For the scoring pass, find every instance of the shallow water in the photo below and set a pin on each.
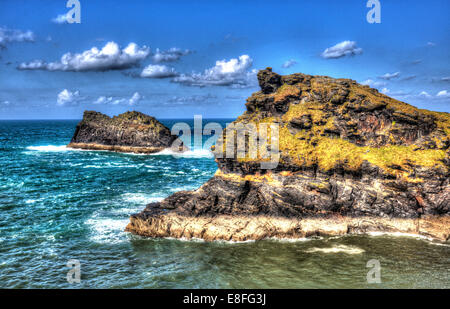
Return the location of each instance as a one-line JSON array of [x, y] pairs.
[[58, 204]]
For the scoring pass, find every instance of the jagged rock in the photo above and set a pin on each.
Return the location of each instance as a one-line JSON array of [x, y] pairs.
[[128, 132], [350, 160], [268, 80]]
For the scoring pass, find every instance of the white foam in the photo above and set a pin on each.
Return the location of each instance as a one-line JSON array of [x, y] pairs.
[[48, 148], [293, 240], [196, 153], [140, 198], [106, 230], [337, 249]]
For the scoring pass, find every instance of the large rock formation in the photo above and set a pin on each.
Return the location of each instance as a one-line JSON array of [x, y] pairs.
[[128, 132], [351, 160]]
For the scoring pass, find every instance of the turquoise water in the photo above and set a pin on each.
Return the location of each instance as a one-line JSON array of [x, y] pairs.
[[58, 204]]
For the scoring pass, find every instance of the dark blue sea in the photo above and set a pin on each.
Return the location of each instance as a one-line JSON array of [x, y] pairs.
[[58, 204]]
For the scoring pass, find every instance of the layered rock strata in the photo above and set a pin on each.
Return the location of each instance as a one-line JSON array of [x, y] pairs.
[[350, 160]]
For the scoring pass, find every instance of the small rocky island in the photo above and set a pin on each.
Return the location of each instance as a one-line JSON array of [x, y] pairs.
[[352, 160], [132, 132]]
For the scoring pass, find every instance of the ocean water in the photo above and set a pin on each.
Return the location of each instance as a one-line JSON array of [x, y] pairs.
[[58, 204]]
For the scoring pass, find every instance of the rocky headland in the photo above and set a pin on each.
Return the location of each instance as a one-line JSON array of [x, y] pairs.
[[351, 160], [132, 132]]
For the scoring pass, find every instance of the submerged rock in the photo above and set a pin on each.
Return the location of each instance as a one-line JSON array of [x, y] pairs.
[[350, 160], [127, 132]]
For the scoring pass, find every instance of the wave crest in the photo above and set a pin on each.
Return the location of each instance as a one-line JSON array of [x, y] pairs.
[[48, 148], [196, 153]]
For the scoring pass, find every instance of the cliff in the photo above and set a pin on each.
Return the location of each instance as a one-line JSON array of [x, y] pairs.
[[127, 132], [349, 160]]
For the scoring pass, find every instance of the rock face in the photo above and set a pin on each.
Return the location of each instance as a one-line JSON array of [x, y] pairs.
[[351, 160], [128, 132]]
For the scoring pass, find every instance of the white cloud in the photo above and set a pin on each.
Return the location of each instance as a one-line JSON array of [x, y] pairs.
[[192, 99], [289, 63], [110, 57], [158, 71], [373, 84], [170, 55], [389, 76], [399, 94], [431, 44], [15, 35], [234, 73], [60, 19], [67, 97], [424, 94], [443, 94], [103, 100], [6, 103], [345, 48], [133, 100]]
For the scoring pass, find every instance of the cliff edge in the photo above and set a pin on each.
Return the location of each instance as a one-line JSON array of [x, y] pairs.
[[128, 132], [349, 160]]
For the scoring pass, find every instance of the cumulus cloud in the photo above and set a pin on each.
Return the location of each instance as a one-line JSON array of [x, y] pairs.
[[67, 97], [136, 97], [443, 94], [133, 100], [345, 48], [103, 100], [14, 35], [389, 76], [158, 71], [373, 84], [235, 73], [431, 44], [110, 57], [170, 55], [60, 19], [289, 63], [440, 95]]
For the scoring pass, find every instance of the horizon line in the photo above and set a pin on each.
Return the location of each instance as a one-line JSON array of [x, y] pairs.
[[25, 119]]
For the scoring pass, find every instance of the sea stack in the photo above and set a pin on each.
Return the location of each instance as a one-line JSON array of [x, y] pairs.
[[351, 160], [132, 132]]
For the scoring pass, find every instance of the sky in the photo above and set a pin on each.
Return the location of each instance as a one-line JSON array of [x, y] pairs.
[[177, 59]]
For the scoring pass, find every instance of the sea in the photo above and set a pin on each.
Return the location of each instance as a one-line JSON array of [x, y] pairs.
[[59, 205]]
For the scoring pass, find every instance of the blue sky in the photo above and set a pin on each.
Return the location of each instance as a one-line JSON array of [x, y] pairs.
[[175, 59]]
